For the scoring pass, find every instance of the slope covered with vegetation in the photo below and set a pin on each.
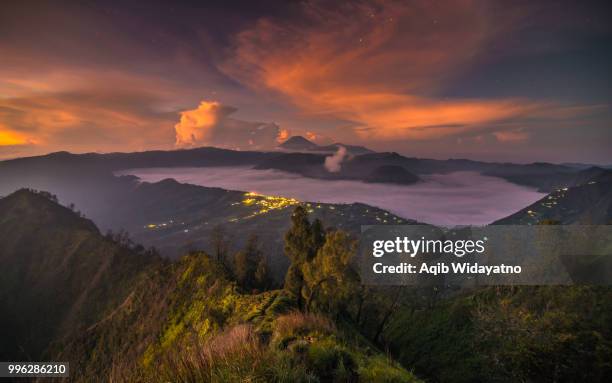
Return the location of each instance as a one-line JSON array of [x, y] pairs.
[[58, 273], [119, 313], [509, 334]]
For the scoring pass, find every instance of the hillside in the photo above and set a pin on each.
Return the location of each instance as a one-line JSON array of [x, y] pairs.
[[508, 334], [114, 314], [176, 217], [119, 313], [59, 273], [589, 203], [189, 322]]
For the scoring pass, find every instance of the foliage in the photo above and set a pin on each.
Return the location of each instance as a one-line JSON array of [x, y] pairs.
[[559, 333], [251, 268], [329, 281]]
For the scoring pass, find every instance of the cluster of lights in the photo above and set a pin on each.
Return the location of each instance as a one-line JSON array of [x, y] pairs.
[[554, 197], [161, 225], [266, 203], [549, 202]]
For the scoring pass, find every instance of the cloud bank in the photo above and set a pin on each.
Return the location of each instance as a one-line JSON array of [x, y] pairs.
[[454, 199]]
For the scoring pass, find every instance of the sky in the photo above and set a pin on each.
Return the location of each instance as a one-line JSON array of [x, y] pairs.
[[518, 81]]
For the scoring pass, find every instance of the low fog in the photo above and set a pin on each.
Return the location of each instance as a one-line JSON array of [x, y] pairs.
[[452, 199]]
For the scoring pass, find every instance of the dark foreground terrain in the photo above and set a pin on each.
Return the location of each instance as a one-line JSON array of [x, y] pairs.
[[119, 312]]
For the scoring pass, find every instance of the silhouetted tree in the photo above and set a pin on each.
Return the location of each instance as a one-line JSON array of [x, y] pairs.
[[298, 248], [262, 274], [246, 264], [219, 243]]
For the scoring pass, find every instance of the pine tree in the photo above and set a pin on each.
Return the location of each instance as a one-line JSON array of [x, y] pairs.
[[298, 239], [246, 263], [219, 243], [299, 249], [262, 275], [317, 238]]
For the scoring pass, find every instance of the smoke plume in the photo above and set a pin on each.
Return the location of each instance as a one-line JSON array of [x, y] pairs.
[[333, 163]]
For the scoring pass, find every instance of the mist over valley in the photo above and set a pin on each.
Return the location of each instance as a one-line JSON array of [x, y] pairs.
[[458, 198]]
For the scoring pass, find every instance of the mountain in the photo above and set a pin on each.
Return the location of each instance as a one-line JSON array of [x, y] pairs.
[[350, 149], [116, 313], [367, 168], [588, 202], [43, 172], [298, 143], [542, 176], [175, 217], [301, 144], [392, 174], [59, 274]]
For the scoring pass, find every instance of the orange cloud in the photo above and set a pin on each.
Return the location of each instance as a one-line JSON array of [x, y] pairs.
[[83, 111], [9, 138], [197, 125], [376, 65], [209, 124], [283, 135]]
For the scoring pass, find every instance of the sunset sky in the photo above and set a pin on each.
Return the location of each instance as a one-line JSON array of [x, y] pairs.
[[516, 81]]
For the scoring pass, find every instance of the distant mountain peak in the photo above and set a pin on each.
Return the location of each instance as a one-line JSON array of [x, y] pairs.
[[298, 143]]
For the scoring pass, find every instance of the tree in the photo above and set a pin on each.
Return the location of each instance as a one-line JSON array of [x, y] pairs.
[[298, 240], [302, 242], [219, 243], [262, 274], [329, 280], [294, 281], [248, 267], [317, 238]]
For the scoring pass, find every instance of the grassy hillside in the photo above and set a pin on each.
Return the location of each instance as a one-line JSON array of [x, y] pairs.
[[119, 313], [589, 202], [509, 334], [189, 322], [58, 273], [114, 314]]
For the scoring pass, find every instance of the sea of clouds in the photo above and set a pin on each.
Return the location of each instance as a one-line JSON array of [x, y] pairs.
[[459, 198]]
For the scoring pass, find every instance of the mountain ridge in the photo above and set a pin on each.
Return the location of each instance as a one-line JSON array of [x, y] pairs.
[[301, 144], [115, 314]]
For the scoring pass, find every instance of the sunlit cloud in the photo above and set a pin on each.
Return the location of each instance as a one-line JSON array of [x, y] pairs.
[[210, 124], [283, 135], [85, 111], [378, 65], [10, 138]]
